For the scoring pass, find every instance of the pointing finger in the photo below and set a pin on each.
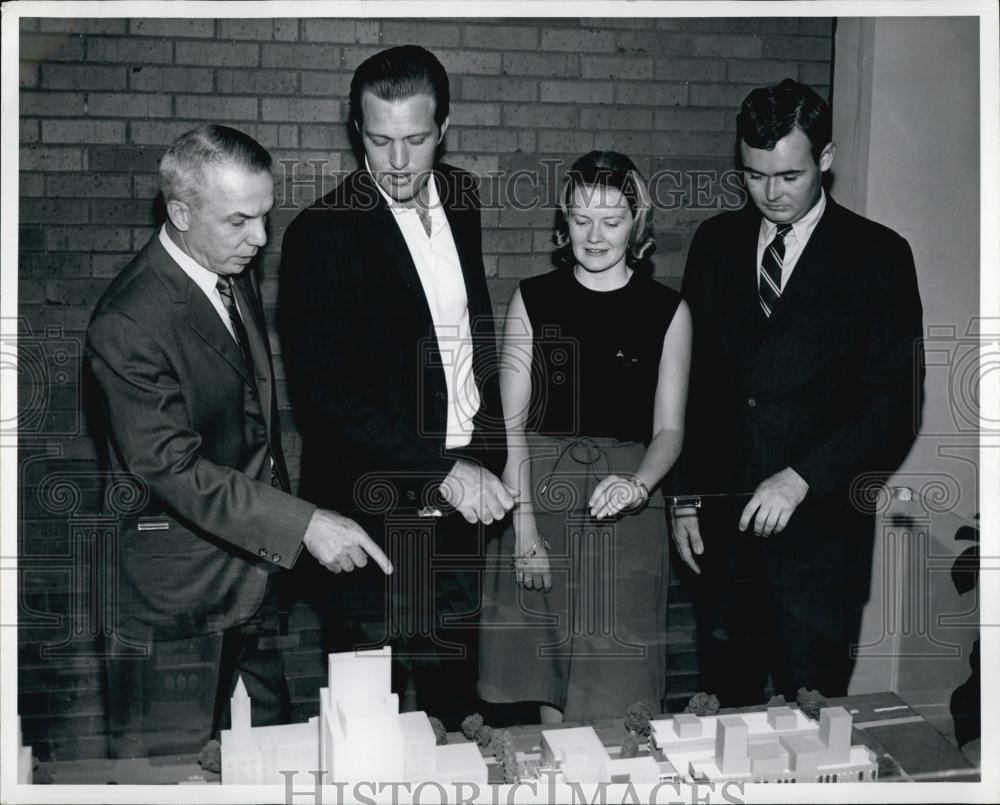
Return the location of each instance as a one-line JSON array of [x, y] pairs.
[[376, 553]]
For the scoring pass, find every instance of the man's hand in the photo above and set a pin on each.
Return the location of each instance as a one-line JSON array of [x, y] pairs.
[[774, 502], [477, 494], [338, 543], [687, 536]]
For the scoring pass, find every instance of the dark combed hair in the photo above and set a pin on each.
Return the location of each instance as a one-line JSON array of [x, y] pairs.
[[608, 169], [770, 113], [182, 168], [400, 73]]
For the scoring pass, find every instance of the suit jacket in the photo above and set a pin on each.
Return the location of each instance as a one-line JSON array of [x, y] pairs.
[[364, 366], [186, 417], [830, 384]]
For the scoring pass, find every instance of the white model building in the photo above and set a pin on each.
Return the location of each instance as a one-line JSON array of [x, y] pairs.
[[582, 758], [779, 746], [25, 759], [359, 735]]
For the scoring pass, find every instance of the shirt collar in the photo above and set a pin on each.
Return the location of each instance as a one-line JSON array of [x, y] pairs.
[[398, 208], [205, 279], [805, 225]]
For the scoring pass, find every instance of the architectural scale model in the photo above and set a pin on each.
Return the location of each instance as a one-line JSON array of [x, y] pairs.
[[359, 735], [580, 757], [779, 746]]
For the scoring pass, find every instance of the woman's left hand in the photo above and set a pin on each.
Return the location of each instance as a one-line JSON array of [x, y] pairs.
[[617, 493]]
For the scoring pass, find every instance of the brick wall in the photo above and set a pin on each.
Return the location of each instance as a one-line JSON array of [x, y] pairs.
[[101, 98]]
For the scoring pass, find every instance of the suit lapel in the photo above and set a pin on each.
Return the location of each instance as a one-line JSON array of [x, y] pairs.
[[382, 233], [195, 309], [249, 302]]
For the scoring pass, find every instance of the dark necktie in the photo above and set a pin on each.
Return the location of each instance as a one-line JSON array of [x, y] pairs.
[[225, 288], [769, 287]]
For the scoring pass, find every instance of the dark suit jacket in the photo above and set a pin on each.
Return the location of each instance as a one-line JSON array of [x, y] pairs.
[[185, 416], [364, 367], [830, 384]]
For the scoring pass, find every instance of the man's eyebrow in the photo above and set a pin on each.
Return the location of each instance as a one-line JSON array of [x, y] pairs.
[[793, 172]]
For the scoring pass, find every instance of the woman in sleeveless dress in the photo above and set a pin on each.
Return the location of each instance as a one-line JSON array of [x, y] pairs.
[[594, 371]]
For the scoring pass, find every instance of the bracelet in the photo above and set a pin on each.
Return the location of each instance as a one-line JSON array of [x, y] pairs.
[[521, 559], [639, 484]]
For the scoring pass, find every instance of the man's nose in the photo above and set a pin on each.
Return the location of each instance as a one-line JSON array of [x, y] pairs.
[[399, 156], [258, 233], [771, 189]]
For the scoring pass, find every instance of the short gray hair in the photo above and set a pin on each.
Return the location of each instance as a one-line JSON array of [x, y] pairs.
[[182, 168]]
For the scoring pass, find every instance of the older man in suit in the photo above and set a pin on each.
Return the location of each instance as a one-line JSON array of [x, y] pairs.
[[179, 349], [806, 378], [388, 338]]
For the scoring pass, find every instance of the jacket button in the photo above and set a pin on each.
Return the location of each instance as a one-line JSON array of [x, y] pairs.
[[411, 495], [440, 396], [751, 402], [276, 558], [262, 553]]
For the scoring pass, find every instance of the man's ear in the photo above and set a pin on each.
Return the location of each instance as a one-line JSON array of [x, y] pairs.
[[443, 129], [826, 156], [179, 213]]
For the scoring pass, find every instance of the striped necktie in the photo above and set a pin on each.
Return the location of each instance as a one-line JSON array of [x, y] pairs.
[[769, 287], [224, 286]]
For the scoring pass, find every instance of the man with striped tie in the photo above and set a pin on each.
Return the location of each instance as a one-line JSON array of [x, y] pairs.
[[806, 384]]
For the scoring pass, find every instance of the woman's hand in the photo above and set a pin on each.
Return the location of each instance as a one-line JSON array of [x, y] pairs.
[[617, 493], [531, 561]]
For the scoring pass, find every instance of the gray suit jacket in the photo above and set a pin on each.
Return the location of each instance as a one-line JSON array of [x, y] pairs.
[[185, 415]]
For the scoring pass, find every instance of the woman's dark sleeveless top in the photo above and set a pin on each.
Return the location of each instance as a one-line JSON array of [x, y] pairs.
[[595, 355]]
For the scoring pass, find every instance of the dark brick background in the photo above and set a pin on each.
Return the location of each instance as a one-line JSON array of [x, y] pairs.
[[101, 98]]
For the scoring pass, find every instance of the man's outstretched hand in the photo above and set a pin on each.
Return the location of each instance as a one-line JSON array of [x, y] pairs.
[[477, 494], [339, 543]]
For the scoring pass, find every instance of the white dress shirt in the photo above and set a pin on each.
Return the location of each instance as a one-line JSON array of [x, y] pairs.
[[206, 280], [440, 270], [795, 240]]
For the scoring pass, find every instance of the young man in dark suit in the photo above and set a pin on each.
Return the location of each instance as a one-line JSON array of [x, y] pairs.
[[387, 335], [805, 390], [179, 350]]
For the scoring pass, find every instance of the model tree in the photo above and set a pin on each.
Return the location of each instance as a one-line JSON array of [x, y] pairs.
[[630, 746], [470, 725], [777, 701], [637, 718], [440, 733], [810, 702], [703, 704], [483, 736], [888, 767], [506, 757]]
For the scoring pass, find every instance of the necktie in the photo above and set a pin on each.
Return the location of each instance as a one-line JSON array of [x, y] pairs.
[[769, 288], [225, 289]]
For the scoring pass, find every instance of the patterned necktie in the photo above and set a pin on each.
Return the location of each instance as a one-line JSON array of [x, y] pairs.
[[225, 289], [769, 288]]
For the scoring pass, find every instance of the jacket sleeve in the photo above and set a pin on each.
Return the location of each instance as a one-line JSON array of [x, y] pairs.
[[890, 372], [151, 434]]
